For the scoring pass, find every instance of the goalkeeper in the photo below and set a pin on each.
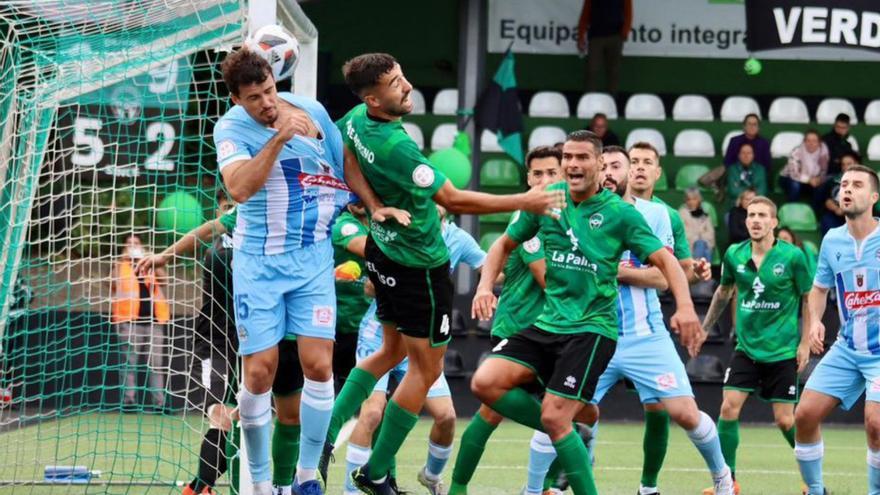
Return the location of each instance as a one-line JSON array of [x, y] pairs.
[[215, 367]]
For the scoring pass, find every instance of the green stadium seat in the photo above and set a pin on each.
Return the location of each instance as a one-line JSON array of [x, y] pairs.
[[487, 239], [797, 216], [662, 183], [709, 208], [499, 172], [689, 174], [811, 248]]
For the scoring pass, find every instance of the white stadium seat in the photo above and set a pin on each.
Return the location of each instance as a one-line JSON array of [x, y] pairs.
[[853, 143], [785, 141], [415, 132], [546, 135], [592, 103], [872, 113], [830, 107], [874, 148], [727, 137], [444, 136], [418, 101], [489, 142], [692, 108], [446, 102], [735, 108], [788, 110], [645, 106], [652, 136], [693, 142], [549, 104]]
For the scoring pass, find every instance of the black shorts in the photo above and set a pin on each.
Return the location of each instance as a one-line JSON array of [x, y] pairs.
[[417, 300], [344, 355], [289, 376], [778, 380], [567, 365], [214, 374]]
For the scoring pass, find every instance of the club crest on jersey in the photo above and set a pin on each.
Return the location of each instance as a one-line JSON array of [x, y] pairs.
[[596, 220], [860, 280], [666, 381], [322, 316], [423, 175], [532, 245], [778, 269], [242, 333], [348, 229]]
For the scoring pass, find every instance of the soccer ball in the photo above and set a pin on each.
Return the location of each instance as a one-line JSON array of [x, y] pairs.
[[278, 47]]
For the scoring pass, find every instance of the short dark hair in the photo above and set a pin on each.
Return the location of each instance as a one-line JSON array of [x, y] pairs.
[[875, 182], [750, 145], [583, 136], [616, 149], [852, 154], [543, 152], [842, 117], [599, 115], [243, 67], [364, 71], [812, 131], [749, 115], [644, 145]]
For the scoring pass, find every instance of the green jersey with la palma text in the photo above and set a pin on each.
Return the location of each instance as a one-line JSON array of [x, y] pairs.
[[768, 298], [522, 298], [583, 249], [403, 178]]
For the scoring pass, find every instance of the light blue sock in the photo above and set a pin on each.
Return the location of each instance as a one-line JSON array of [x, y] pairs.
[[316, 407], [438, 456], [541, 455], [705, 439], [255, 411], [355, 457], [873, 472], [809, 459]]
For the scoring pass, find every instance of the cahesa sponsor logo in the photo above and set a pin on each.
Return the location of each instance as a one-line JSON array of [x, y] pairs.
[[309, 180], [861, 299]]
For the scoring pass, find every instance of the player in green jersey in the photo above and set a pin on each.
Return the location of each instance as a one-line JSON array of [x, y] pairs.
[[522, 300], [770, 277], [582, 249], [409, 265]]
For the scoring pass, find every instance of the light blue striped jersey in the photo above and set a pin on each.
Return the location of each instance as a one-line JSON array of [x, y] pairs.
[[305, 190], [853, 270], [638, 308]]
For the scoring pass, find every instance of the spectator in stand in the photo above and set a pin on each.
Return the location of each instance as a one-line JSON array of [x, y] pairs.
[[750, 135], [830, 213], [806, 170], [603, 27], [788, 235], [736, 218], [140, 312], [697, 225], [599, 127], [746, 173], [837, 141]]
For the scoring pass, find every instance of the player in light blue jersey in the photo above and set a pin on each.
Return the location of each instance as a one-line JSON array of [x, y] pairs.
[[462, 249], [849, 264], [280, 156]]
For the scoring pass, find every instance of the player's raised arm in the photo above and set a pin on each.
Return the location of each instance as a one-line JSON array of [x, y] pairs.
[[649, 277], [815, 329], [536, 200], [684, 321], [720, 301], [355, 179], [187, 244], [484, 299]]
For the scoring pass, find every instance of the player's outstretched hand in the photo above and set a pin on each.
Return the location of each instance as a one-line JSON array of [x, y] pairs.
[[289, 125], [542, 202], [703, 269], [402, 217], [484, 304], [803, 356], [150, 263], [687, 325], [817, 337]]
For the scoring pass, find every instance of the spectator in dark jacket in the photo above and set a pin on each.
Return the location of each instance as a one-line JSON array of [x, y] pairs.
[[745, 174], [599, 127], [837, 141], [736, 218], [751, 128]]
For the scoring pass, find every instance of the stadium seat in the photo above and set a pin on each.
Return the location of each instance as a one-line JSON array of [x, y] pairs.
[[705, 368], [652, 136], [693, 142], [710, 210], [418, 101], [788, 110], [727, 137], [853, 142], [688, 175], [489, 142], [549, 104], [797, 216], [458, 324], [811, 248], [692, 108], [443, 136], [783, 142], [487, 239], [872, 113], [735, 108], [874, 148], [546, 135], [415, 132], [453, 364], [830, 107], [500, 172], [446, 102], [645, 106], [592, 103]]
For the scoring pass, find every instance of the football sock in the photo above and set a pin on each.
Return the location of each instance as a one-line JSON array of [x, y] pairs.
[[438, 456], [470, 450], [574, 458], [873, 472], [654, 445], [396, 425], [256, 416], [520, 406], [541, 455], [316, 407], [212, 460], [355, 457], [705, 439], [357, 388], [789, 436], [728, 433], [809, 459], [285, 452]]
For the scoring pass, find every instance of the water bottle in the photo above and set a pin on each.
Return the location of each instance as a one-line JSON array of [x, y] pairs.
[[69, 474]]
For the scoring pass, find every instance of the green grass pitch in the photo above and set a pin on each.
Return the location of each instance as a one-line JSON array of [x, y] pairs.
[[155, 451]]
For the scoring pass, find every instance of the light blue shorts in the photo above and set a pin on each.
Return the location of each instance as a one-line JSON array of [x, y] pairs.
[[284, 294], [844, 374], [652, 364]]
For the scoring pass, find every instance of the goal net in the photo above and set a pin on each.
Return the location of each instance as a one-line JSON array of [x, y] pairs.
[[106, 113]]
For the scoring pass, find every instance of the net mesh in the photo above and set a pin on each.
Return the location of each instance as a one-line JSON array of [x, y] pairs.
[[106, 108]]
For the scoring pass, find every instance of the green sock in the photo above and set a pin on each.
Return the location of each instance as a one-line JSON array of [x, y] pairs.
[[552, 474], [285, 452], [232, 442], [654, 445], [392, 470], [396, 425], [728, 433], [575, 460], [789, 436], [357, 388], [471, 447], [520, 406]]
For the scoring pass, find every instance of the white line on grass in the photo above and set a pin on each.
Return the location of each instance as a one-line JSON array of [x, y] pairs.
[[773, 472]]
